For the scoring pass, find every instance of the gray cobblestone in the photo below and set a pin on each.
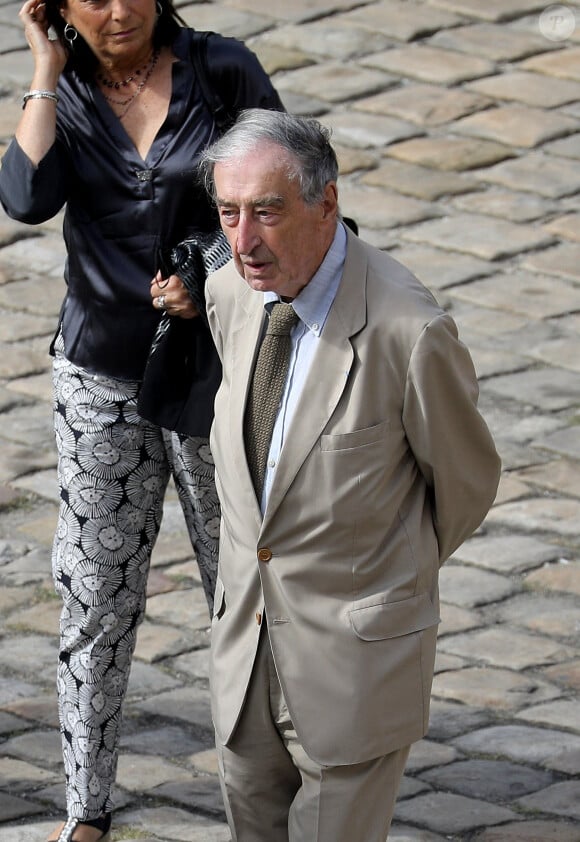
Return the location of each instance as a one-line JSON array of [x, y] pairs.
[[417, 181], [430, 64], [490, 780], [426, 105], [495, 689], [450, 153], [532, 831], [369, 130], [562, 260], [532, 296], [528, 88], [493, 10], [516, 125], [567, 226], [497, 43], [562, 799], [451, 814], [403, 21], [482, 236], [559, 476], [502, 646], [537, 173], [563, 64], [334, 81], [469, 587]]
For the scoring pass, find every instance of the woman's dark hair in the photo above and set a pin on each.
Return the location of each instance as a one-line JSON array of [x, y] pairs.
[[82, 58]]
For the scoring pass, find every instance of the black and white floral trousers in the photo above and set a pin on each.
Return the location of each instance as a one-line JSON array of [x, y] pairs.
[[113, 471]]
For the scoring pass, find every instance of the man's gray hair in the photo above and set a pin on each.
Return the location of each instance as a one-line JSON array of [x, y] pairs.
[[306, 140]]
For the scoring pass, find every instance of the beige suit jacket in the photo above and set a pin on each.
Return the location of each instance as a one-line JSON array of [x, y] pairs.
[[386, 468]]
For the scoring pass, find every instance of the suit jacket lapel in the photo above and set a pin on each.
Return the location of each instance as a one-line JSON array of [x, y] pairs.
[[244, 340]]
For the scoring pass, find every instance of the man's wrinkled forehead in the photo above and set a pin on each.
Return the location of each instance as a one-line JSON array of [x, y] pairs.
[[255, 180], [265, 159]]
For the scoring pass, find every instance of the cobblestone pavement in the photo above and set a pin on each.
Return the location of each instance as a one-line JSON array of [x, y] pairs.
[[457, 123]]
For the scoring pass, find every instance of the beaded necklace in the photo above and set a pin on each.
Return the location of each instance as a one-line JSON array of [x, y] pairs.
[[111, 83], [125, 104]]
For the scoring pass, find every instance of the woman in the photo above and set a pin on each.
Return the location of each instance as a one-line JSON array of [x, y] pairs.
[[111, 126]]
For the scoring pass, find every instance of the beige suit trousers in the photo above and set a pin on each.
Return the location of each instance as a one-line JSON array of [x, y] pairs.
[[273, 792]]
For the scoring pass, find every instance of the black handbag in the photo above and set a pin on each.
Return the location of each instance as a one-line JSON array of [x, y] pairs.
[[183, 370]]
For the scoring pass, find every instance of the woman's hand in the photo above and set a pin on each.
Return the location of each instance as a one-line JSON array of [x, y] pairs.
[[170, 294], [49, 54]]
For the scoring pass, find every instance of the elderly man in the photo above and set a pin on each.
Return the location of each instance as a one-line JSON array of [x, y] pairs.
[[338, 511]]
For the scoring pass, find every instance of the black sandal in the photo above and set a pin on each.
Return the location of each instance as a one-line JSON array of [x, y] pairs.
[[103, 823]]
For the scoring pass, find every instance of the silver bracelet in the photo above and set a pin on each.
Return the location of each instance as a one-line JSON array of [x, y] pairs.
[[39, 95]]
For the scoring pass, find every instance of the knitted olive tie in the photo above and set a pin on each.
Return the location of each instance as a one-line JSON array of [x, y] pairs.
[[266, 390]]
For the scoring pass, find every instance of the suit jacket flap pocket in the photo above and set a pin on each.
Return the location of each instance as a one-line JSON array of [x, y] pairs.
[[383, 620]]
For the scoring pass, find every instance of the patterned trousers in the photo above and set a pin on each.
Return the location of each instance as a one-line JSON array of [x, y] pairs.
[[113, 471]]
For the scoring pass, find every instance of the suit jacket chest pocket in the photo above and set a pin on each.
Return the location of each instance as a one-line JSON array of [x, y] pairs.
[[357, 467], [355, 439]]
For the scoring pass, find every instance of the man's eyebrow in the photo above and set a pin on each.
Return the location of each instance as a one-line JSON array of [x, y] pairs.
[[259, 202], [269, 201]]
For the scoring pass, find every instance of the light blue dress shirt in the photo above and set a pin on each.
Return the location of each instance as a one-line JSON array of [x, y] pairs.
[[312, 306]]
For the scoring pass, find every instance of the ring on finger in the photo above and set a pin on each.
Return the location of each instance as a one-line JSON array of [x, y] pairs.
[[161, 302]]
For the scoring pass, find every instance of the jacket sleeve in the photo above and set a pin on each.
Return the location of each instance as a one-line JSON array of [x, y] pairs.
[[212, 317], [447, 434], [32, 194], [238, 75]]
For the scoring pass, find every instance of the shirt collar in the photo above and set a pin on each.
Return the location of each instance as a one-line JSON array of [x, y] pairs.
[[314, 301]]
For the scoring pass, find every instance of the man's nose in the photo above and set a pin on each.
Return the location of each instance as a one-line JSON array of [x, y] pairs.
[[247, 237]]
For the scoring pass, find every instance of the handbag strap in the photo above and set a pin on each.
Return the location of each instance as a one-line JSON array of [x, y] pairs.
[[222, 117]]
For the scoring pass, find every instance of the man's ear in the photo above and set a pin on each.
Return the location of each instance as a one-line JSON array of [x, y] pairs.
[[330, 201]]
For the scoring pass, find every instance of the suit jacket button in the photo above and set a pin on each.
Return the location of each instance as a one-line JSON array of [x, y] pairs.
[[258, 618], [264, 554]]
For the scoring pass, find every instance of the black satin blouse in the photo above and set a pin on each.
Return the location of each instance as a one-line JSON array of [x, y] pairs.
[[120, 209]]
